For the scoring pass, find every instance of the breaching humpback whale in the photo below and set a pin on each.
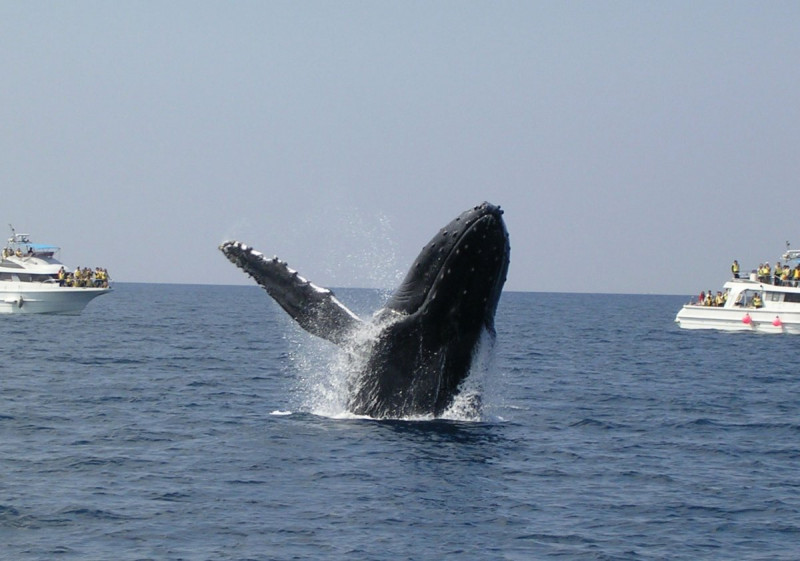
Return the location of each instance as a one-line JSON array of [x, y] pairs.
[[426, 336]]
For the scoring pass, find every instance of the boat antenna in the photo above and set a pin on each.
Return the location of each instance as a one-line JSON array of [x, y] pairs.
[[788, 245]]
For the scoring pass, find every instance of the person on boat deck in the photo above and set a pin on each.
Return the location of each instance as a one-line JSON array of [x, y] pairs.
[[796, 276], [709, 299], [101, 278], [702, 298], [757, 301], [62, 276], [735, 269], [764, 273], [776, 274], [719, 301]]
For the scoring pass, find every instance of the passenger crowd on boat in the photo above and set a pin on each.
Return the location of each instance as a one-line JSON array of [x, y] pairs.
[[8, 252], [710, 299], [780, 275], [86, 277]]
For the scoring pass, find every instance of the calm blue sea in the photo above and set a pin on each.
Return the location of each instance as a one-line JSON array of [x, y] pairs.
[[197, 422]]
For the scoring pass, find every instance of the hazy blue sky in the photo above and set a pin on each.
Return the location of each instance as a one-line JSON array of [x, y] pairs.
[[636, 146]]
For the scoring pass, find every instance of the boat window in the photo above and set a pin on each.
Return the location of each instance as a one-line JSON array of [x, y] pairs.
[[746, 298], [791, 297], [775, 296]]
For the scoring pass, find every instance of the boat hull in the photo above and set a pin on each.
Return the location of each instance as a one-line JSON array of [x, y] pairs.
[[751, 320], [21, 298]]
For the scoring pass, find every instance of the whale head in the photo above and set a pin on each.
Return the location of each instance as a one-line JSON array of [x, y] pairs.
[[446, 302], [459, 275]]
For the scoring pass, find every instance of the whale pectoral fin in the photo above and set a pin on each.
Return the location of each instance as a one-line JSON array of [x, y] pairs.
[[316, 309]]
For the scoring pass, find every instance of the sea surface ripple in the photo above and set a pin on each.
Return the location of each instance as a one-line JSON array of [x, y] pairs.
[[184, 422]]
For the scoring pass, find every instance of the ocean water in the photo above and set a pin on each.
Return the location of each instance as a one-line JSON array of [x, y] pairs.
[[197, 422]]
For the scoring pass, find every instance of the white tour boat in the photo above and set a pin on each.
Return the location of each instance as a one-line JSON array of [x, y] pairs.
[[33, 281], [750, 304]]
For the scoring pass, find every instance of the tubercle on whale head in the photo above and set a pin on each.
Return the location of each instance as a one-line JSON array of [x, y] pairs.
[[467, 260]]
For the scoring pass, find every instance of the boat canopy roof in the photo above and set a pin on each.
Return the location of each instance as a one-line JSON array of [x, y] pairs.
[[43, 247], [17, 240], [791, 255]]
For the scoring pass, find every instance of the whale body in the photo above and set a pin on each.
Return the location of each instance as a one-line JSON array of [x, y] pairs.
[[423, 342]]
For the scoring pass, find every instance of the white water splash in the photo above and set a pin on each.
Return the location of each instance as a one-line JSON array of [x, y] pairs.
[[327, 378], [318, 386], [469, 404], [337, 380], [363, 252]]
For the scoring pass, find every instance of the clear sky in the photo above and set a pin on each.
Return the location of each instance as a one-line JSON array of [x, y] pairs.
[[635, 146]]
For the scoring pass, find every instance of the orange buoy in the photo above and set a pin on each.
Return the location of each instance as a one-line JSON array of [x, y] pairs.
[[777, 322], [747, 319]]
